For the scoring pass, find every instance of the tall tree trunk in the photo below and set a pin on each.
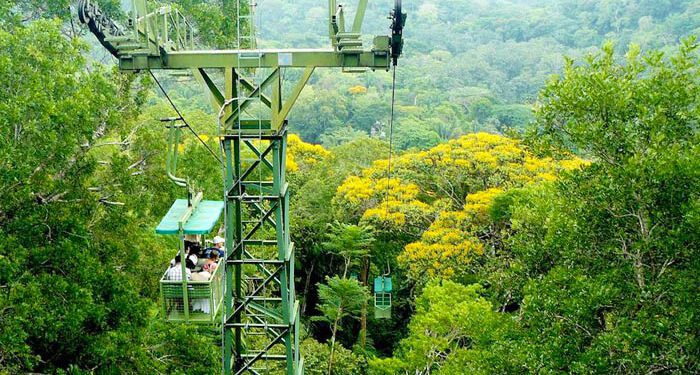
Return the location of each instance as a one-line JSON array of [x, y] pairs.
[[364, 275], [335, 330], [347, 265], [363, 326], [307, 284]]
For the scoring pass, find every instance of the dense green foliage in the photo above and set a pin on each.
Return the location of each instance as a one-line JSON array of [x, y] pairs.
[[83, 186], [469, 65], [600, 267], [507, 255]]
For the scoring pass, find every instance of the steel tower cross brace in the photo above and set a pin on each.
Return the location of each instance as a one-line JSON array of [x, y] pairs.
[[260, 325], [261, 320]]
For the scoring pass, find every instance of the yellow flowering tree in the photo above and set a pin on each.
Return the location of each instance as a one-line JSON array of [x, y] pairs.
[[446, 173], [476, 162], [357, 90], [386, 203], [301, 155], [442, 196]]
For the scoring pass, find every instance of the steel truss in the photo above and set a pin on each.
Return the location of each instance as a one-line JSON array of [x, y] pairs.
[[261, 320]]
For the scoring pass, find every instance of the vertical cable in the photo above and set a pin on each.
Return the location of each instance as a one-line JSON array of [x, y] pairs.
[[391, 139]]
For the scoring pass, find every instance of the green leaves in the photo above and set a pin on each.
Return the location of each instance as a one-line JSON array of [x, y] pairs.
[[453, 330], [595, 268], [352, 242], [340, 299], [76, 285], [618, 112], [316, 356]]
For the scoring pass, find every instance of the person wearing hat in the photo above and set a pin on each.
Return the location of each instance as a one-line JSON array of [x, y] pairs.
[[218, 245]]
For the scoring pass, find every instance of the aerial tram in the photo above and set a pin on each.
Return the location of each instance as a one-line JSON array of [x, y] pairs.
[[189, 300], [383, 287], [258, 313]]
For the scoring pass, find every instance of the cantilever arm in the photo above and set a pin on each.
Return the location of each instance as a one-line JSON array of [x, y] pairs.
[[293, 96], [359, 16]]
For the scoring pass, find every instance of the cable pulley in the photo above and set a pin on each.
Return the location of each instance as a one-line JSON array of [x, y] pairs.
[[398, 21]]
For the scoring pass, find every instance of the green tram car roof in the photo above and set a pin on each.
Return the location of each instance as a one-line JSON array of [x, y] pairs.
[[383, 284], [201, 221]]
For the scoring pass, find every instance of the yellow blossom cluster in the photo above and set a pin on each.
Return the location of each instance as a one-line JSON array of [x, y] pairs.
[[300, 153], [358, 189], [444, 259], [475, 149], [478, 204], [480, 161], [396, 213], [381, 201], [359, 89], [448, 246]]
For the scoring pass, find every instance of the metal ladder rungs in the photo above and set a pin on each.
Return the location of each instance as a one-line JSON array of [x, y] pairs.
[[256, 334], [129, 46], [120, 39], [265, 356]]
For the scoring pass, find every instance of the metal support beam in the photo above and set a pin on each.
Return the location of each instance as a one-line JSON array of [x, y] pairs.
[[217, 99], [359, 16], [284, 111], [376, 59]]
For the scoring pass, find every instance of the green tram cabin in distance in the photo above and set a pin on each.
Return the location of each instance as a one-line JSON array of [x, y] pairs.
[[186, 300]]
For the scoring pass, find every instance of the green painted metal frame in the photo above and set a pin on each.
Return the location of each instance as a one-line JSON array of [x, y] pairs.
[[249, 309], [291, 58], [163, 39], [209, 289], [194, 202]]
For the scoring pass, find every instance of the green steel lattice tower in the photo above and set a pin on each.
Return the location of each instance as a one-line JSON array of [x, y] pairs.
[[260, 323]]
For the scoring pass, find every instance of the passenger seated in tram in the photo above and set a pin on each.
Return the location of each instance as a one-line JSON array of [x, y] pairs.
[[175, 270], [218, 245], [201, 276], [211, 263], [208, 268], [193, 245], [190, 261]]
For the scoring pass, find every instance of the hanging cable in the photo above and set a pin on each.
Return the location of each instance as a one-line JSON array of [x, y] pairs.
[[183, 119], [391, 138]]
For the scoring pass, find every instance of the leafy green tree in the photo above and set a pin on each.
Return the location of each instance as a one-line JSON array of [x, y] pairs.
[[454, 330], [79, 262], [618, 249], [317, 112], [62, 249], [311, 209], [215, 21], [316, 356], [340, 299], [341, 136], [411, 133], [351, 242]]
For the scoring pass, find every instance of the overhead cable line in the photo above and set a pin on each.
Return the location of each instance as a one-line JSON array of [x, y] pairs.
[[179, 114], [391, 138]]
